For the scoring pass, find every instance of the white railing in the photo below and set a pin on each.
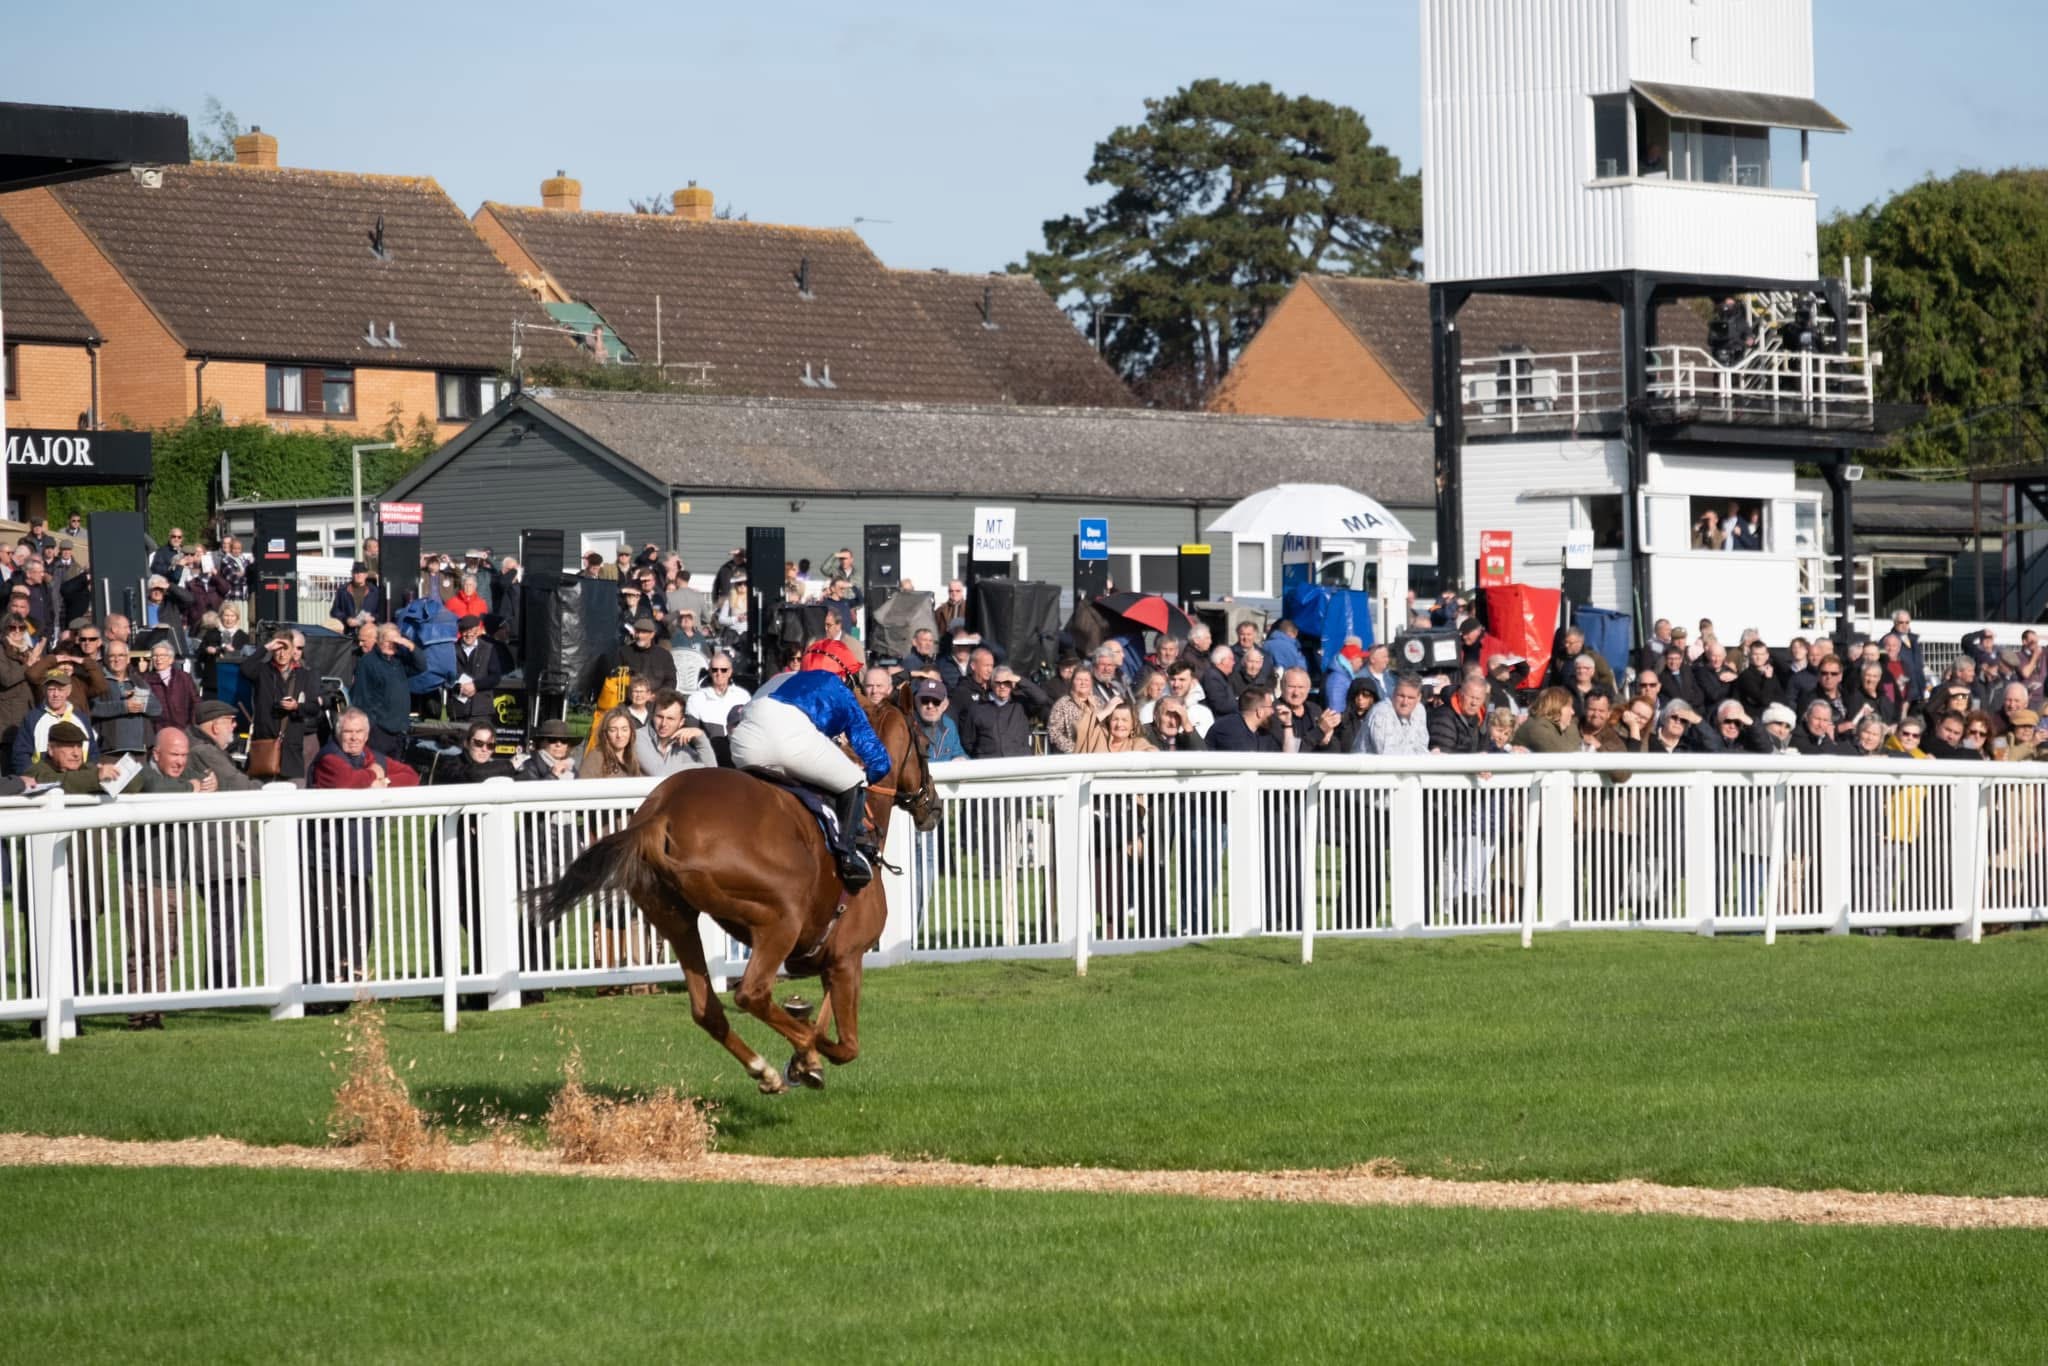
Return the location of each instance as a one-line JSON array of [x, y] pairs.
[[1804, 387], [1544, 392], [286, 898]]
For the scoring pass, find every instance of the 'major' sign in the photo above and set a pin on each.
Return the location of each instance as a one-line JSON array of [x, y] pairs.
[[73, 457]]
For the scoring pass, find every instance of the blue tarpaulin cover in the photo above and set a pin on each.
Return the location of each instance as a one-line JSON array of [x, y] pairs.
[[1607, 635], [1330, 614]]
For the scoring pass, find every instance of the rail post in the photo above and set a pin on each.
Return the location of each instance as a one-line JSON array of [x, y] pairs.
[[1405, 841], [1966, 866], [448, 920], [1837, 852], [1311, 841], [1556, 833], [1247, 855], [281, 911], [497, 850], [1774, 875], [49, 858], [1074, 878], [1702, 897], [899, 924]]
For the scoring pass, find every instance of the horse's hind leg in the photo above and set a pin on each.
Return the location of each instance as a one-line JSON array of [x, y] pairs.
[[705, 1008]]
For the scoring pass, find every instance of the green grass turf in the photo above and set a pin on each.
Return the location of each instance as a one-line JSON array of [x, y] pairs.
[[214, 1266], [1894, 1063]]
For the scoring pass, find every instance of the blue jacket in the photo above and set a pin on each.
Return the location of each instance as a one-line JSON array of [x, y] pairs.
[[945, 738], [1285, 652], [381, 689], [831, 706]]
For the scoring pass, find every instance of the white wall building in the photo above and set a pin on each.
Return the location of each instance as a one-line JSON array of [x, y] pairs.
[[1655, 154]]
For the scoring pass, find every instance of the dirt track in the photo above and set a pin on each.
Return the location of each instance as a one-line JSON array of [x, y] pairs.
[[1373, 1184]]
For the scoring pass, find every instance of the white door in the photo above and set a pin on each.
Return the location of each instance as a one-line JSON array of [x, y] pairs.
[[605, 543], [923, 559]]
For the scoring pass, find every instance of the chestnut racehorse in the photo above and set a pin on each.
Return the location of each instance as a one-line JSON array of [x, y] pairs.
[[747, 854]]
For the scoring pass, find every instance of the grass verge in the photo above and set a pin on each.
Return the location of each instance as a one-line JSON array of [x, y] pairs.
[[1874, 1064], [285, 1266]]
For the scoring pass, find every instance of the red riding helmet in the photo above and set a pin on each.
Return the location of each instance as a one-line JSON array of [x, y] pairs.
[[835, 656]]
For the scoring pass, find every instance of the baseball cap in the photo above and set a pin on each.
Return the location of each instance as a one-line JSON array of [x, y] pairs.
[[966, 640], [928, 690]]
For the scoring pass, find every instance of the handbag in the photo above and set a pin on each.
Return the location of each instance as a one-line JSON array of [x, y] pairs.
[[266, 758]]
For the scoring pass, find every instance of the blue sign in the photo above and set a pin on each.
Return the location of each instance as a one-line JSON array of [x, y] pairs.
[[1094, 538]]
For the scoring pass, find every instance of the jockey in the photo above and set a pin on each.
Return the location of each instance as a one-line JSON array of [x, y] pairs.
[[789, 729]]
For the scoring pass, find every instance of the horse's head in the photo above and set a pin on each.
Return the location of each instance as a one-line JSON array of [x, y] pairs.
[[909, 758]]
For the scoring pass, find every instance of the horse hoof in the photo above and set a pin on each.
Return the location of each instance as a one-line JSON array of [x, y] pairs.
[[772, 1083], [799, 1075]]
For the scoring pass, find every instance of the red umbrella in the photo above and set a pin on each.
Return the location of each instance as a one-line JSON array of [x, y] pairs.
[[1147, 610]]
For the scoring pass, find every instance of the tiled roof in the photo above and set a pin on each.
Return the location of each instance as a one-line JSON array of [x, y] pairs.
[[1124, 454], [38, 309], [277, 264], [730, 299], [1025, 344], [1391, 317]]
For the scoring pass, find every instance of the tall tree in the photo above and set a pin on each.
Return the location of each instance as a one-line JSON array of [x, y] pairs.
[[1218, 201], [211, 136], [1960, 307]]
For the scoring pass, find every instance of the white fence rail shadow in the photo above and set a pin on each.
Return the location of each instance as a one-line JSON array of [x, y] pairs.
[[284, 898]]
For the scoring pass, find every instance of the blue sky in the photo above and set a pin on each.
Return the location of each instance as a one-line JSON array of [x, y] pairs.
[[963, 125]]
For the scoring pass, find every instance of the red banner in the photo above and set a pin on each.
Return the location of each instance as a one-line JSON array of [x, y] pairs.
[[1496, 558]]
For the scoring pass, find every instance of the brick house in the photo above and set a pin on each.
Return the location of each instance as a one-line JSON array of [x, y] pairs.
[[313, 298], [1357, 350], [769, 311], [49, 354]]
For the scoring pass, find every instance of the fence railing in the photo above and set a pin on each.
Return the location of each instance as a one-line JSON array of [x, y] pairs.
[[285, 898]]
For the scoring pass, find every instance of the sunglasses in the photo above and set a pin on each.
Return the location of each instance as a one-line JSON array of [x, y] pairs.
[[720, 673], [1005, 683], [931, 701], [480, 744], [1976, 730]]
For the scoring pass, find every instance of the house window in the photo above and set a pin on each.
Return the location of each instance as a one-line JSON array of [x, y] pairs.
[[306, 390], [1251, 565], [8, 376], [468, 396], [1610, 137]]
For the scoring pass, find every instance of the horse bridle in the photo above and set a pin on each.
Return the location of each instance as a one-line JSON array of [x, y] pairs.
[[918, 801]]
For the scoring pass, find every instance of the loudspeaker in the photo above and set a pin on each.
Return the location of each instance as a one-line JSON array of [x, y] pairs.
[[1091, 577], [120, 564], [541, 552], [571, 628], [1194, 577], [881, 557], [1023, 618], [1577, 585], [764, 596], [276, 570]]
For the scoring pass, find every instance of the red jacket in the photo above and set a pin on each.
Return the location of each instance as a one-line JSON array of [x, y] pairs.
[[335, 769], [466, 605]]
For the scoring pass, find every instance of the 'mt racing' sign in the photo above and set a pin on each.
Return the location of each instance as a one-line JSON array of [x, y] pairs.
[[72, 457]]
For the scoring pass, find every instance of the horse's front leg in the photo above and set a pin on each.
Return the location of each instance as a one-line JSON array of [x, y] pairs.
[[705, 1008], [756, 995], [841, 979]]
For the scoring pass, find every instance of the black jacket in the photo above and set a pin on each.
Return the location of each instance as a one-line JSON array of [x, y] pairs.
[[654, 663], [992, 731], [1453, 732], [1231, 735], [1756, 691]]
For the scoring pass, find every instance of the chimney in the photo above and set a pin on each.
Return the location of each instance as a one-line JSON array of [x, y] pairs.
[[560, 192], [693, 204], [256, 148]]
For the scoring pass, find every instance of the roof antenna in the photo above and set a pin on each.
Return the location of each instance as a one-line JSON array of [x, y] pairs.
[[803, 277], [377, 248]]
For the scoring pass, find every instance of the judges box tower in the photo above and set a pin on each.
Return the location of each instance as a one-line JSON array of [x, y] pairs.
[[1647, 157]]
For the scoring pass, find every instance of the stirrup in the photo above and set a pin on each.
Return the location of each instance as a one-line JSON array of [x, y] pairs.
[[854, 870]]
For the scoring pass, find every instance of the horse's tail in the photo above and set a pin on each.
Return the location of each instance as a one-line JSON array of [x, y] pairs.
[[628, 861]]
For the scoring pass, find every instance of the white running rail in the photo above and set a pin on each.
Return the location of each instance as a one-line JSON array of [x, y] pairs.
[[284, 898]]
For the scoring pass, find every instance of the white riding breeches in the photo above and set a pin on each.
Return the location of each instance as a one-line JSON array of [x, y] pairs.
[[774, 737]]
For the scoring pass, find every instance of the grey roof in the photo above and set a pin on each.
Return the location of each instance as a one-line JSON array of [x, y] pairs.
[[1127, 454], [1741, 106]]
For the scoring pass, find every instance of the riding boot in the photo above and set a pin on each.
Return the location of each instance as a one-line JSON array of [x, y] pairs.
[[850, 808]]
